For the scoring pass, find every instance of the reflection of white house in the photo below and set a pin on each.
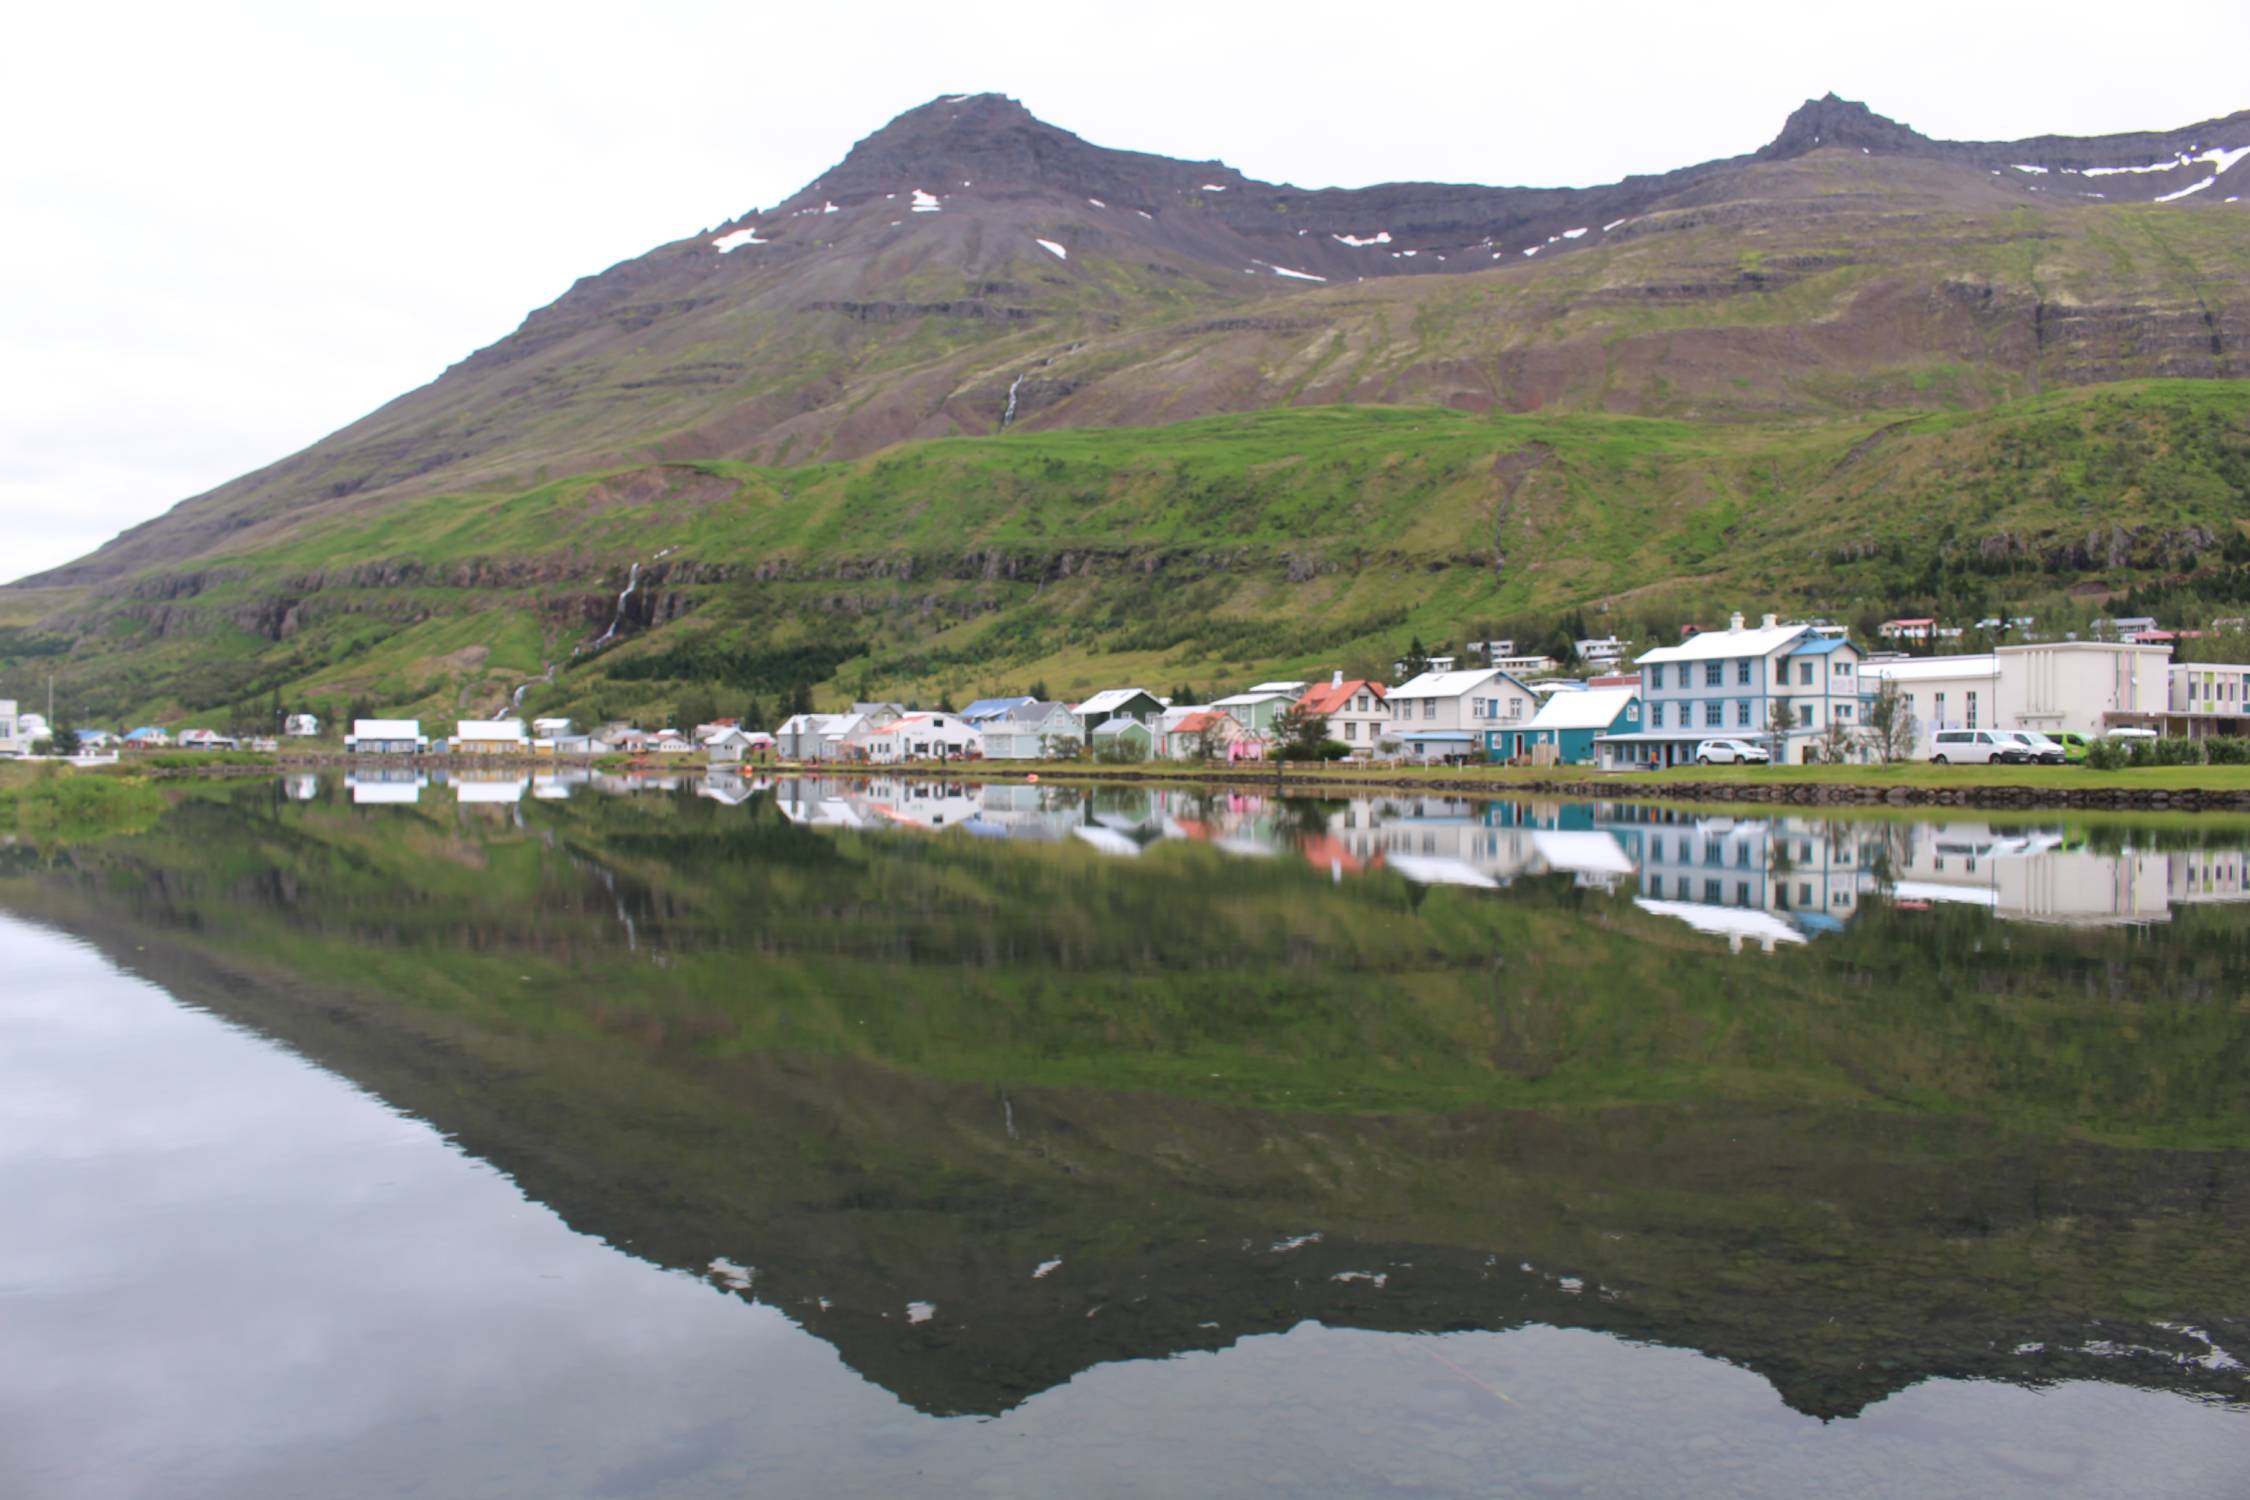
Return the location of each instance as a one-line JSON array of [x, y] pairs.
[[473, 786], [378, 786], [1738, 925], [303, 787]]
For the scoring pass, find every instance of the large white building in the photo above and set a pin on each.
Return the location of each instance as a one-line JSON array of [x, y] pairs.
[[11, 732], [2088, 687]]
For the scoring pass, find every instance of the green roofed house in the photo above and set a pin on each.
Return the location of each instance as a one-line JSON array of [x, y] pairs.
[[1125, 739]]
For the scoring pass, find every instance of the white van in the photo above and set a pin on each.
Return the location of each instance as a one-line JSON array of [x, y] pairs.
[[1974, 747]]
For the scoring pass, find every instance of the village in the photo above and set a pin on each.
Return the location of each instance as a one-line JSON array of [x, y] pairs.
[[1764, 692]]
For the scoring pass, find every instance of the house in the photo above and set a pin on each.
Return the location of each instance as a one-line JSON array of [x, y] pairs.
[[671, 742], [1033, 731], [93, 739], [808, 737], [1564, 730], [625, 741], [205, 739], [1209, 729], [1529, 665], [1740, 683], [1118, 703], [1919, 628], [1941, 692], [1124, 739], [301, 726], [490, 737], [1600, 651], [147, 737], [13, 740], [550, 729], [737, 744], [386, 737], [1357, 711], [1256, 710], [919, 736], [1402, 666], [986, 711], [1457, 715]]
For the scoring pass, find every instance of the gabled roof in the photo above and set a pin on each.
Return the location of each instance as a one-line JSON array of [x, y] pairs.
[[993, 708], [1714, 645], [1109, 700], [1252, 698], [383, 729], [1817, 644], [1200, 720], [1121, 726], [1031, 712], [1331, 697], [1450, 684], [1593, 708]]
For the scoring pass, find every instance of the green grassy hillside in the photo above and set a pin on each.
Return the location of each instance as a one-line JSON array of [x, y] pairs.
[[1211, 551]]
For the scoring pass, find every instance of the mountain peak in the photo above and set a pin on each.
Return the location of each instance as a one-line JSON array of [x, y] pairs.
[[1833, 121], [956, 139]]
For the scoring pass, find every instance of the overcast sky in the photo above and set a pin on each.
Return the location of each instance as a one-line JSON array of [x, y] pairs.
[[230, 229]]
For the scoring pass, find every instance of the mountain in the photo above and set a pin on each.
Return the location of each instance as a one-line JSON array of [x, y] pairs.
[[969, 270]]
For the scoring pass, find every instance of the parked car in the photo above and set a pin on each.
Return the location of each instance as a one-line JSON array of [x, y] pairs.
[[1731, 753], [2038, 749], [2074, 744], [1976, 747]]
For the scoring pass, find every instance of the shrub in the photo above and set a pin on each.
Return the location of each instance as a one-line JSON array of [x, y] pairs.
[[2174, 750], [2107, 755], [2227, 750]]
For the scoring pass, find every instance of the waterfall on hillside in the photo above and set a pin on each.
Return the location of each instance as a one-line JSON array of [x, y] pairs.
[[1009, 415]]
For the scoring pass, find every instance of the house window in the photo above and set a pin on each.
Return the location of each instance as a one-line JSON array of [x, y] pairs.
[[1843, 710], [1804, 893], [1972, 723], [1714, 673], [1429, 708], [1843, 668], [1742, 671], [1804, 674], [1351, 729], [1714, 852], [1656, 716], [1711, 892], [1938, 718], [1804, 715], [1656, 675], [1742, 713], [1715, 715]]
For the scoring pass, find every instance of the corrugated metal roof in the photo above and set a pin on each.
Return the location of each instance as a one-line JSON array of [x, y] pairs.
[[1595, 708], [1449, 684], [1714, 645], [386, 729]]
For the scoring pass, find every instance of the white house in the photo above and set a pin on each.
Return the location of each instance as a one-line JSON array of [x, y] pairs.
[[1032, 731], [1358, 711], [491, 737], [1454, 715], [2207, 697], [205, 739], [1942, 692], [13, 741], [386, 737], [920, 736], [804, 737], [1600, 650], [734, 744], [301, 726], [1726, 684], [550, 729]]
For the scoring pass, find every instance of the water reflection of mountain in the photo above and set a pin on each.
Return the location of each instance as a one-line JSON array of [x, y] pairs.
[[846, 1071]]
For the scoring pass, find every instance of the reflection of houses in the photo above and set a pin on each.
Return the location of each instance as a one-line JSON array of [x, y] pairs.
[[373, 785], [2029, 876], [489, 786]]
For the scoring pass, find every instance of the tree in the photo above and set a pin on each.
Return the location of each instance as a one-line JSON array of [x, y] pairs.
[[1417, 660], [753, 714], [1781, 722], [945, 704], [1836, 745], [694, 706], [1298, 733], [800, 698], [1038, 690], [62, 738], [1182, 693], [1891, 730]]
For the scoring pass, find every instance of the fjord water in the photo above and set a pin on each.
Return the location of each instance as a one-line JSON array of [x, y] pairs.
[[678, 1138]]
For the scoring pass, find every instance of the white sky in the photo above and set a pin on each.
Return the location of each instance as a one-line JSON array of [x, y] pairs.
[[230, 228]]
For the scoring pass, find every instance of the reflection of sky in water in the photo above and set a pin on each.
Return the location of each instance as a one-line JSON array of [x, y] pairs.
[[224, 1272]]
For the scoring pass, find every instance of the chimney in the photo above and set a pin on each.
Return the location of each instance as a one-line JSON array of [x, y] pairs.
[[1772, 621], [1338, 679], [1734, 621]]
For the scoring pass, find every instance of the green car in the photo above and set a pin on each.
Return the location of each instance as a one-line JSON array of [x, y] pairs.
[[2074, 745]]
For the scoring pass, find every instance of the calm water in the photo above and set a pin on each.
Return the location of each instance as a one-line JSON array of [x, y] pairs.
[[541, 1138]]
